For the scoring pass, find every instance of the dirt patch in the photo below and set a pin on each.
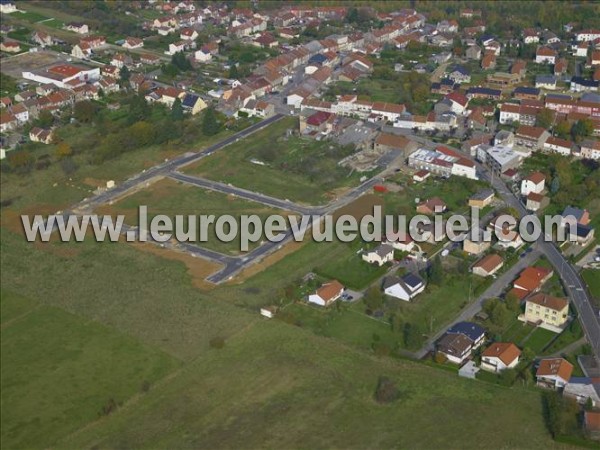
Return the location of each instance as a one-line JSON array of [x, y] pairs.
[[94, 182], [360, 207], [197, 268], [56, 248], [267, 262], [11, 219]]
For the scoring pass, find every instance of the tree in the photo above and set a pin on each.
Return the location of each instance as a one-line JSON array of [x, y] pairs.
[[20, 161], [68, 166], [582, 128], [500, 315], [233, 72], [386, 390], [513, 303], [373, 299], [545, 118], [435, 273], [563, 129], [84, 111], [555, 185], [45, 119], [124, 75], [180, 61], [210, 125], [63, 150], [177, 110], [508, 377], [412, 336], [138, 108]]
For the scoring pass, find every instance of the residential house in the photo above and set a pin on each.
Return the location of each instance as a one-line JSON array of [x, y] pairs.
[[553, 373], [133, 42], [580, 216], [165, 95], [558, 145], [535, 202], [581, 50], [77, 27], [188, 34], [535, 182], [431, 206], [421, 175], [202, 55], [327, 294], [530, 280], [193, 104], [469, 329], [587, 35], [455, 347], [404, 288], [580, 84], [481, 199], [488, 265], [473, 52], [505, 138], [400, 241], [40, 135], [381, 255], [590, 149], [388, 142], [526, 93], [41, 38], [545, 55], [591, 424], [531, 36], [500, 356], [583, 390], [530, 138], [547, 311], [7, 121], [10, 46], [489, 61], [546, 82], [475, 245], [149, 59], [176, 47], [259, 108]]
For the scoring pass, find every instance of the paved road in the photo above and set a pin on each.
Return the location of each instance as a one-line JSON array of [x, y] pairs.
[[169, 166], [245, 194], [575, 287], [494, 291]]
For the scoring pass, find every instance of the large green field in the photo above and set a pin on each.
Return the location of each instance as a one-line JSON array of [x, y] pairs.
[[277, 386], [297, 168]]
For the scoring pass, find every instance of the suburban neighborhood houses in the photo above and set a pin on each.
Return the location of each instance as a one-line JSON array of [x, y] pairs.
[[479, 119]]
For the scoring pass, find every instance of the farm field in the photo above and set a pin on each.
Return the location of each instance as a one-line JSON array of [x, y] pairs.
[[289, 167], [171, 198]]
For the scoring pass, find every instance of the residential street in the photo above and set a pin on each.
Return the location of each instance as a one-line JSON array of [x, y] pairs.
[[494, 291]]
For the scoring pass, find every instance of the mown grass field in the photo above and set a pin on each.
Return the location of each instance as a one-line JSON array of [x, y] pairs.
[[295, 168], [171, 198]]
